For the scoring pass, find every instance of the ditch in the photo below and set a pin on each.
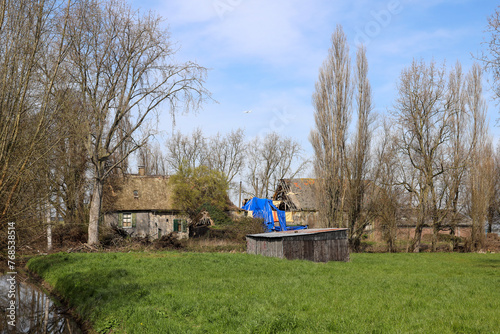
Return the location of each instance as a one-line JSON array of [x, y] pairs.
[[35, 311]]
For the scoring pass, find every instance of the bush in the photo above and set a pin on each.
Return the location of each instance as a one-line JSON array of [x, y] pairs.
[[238, 230], [66, 234], [249, 225], [218, 216], [168, 241], [114, 236], [449, 238], [142, 240], [194, 186]]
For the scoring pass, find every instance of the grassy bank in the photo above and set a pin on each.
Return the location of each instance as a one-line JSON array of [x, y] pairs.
[[170, 292]]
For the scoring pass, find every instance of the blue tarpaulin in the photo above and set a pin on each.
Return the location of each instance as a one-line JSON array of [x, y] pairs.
[[263, 208]]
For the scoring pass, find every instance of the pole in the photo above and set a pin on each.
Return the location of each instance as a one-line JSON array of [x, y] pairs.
[[240, 196], [257, 181]]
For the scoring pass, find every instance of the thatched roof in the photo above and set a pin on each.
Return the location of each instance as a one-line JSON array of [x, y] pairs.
[[141, 193], [299, 194]]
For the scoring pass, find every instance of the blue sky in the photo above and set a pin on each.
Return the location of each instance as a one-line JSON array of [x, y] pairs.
[[264, 56]]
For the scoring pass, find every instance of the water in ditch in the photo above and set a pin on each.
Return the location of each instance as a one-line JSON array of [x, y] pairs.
[[31, 310]]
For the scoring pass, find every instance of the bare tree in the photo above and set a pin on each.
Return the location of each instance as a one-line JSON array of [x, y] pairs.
[[387, 194], [357, 160], [467, 131], [186, 150], [490, 57], [480, 191], [482, 164], [227, 153], [423, 121], [152, 159], [31, 53], [292, 161], [332, 103], [69, 163], [494, 204], [121, 63], [271, 159], [253, 169], [459, 149]]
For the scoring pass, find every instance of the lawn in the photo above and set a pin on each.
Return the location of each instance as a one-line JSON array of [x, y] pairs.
[[176, 292]]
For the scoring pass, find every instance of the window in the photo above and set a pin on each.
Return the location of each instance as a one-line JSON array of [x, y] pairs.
[[127, 220], [180, 225]]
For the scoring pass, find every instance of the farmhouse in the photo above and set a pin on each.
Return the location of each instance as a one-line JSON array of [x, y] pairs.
[[142, 205], [297, 197]]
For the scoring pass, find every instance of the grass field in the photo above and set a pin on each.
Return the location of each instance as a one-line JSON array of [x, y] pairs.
[[170, 292]]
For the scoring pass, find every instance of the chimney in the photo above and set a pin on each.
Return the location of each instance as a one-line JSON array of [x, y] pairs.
[[142, 170]]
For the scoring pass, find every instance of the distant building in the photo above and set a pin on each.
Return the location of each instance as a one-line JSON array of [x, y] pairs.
[[142, 205], [297, 197]]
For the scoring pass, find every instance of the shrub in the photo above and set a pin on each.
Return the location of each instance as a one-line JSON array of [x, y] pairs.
[[114, 236], [239, 229], [65, 234], [218, 216], [168, 241], [192, 187]]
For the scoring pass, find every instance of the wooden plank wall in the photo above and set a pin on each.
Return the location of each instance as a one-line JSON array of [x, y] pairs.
[[320, 247], [265, 246]]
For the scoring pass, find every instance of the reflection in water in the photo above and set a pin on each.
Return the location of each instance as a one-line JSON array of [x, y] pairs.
[[35, 312]]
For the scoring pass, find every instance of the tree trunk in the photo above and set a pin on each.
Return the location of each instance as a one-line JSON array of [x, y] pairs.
[[491, 216], [49, 237], [477, 235], [454, 242], [95, 212], [390, 245], [355, 244], [435, 232], [46, 315], [49, 230], [415, 244]]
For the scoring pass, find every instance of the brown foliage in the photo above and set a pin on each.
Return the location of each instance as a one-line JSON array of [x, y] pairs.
[[168, 241]]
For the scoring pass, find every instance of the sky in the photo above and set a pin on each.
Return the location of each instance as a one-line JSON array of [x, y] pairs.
[[264, 56]]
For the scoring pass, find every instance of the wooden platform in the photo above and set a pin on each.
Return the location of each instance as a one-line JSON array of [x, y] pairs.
[[318, 245]]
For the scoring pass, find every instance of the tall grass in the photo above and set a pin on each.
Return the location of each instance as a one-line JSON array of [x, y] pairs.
[[173, 292]]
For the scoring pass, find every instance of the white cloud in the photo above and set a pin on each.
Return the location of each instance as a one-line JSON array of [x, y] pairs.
[[267, 31], [277, 32], [266, 54]]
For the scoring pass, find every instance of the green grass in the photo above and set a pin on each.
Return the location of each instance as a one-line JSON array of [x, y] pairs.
[[171, 292]]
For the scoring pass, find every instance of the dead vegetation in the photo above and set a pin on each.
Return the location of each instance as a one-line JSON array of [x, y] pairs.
[[217, 238], [492, 243], [445, 243]]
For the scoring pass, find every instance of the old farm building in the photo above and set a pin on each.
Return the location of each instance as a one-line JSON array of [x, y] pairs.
[[318, 245], [297, 197], [142, 205]]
